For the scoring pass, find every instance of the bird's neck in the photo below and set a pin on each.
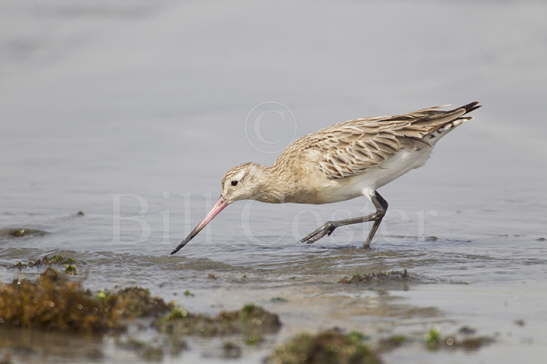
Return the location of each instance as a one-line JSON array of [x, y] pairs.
[[271, 186]]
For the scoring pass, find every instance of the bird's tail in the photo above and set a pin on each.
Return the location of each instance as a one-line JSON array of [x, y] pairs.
[[469, 107], [455, 118]]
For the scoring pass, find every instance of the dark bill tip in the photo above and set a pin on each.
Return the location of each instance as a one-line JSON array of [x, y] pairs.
[[217, 208]]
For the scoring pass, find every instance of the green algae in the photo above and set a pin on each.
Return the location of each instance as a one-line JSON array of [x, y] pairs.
[[102, 294], [55, 259], [176, 313], [377, 277], [188, 293], [71, 269], [46, 261], [251, 320], [435, 341], [327, 347], [357, 336], [21, 232], [392, 342], [454, 343]]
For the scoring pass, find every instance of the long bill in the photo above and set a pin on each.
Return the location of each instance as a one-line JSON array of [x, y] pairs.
[[217, 208]]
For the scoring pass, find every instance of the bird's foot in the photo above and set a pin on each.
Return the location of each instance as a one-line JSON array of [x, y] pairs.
[[325, 229]]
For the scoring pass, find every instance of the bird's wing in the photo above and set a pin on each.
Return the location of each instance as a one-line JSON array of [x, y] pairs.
[[351, 147]]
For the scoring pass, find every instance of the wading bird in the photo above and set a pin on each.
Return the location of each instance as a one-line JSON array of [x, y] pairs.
[[347, 160]]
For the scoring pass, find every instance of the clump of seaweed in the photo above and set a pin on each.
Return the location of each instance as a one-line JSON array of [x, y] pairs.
[[51, 302], [473, 343], [134, 302], [46, 260], [251, 320], [175, 313], [71, 269], [54, 302], [377, 277], [466, 330], [392, 342], [331, 346], [435, 341], [188, 293], [21, 232]]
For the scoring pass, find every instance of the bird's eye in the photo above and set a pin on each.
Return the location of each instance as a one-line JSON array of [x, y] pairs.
[[234, 183]]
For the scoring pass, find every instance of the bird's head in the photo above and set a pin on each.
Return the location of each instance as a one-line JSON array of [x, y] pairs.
[[238, 183], [241, 182]]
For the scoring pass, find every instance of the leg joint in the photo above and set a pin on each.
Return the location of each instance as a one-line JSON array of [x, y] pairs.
[[380, 203]]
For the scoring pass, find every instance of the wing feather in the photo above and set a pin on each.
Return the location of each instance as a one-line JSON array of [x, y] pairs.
[[351, 147]]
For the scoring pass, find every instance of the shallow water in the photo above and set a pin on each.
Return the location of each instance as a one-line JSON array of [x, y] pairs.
[[131, 113]]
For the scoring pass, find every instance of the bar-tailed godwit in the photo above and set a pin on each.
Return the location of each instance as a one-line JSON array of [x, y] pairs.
[[349, 159]]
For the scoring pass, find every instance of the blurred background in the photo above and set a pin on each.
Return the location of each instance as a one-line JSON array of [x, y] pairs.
[[158, 99]]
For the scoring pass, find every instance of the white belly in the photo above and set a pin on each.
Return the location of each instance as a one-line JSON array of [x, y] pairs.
[[374, 178], [396, 166]]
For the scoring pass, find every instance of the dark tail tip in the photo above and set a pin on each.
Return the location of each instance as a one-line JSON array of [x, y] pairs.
[[471, 106]]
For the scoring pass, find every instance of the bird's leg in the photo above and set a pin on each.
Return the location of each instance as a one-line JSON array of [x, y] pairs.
[[381, 208], [326, 229]]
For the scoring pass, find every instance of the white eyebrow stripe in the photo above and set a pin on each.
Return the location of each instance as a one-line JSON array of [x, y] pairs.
[[238, 176]]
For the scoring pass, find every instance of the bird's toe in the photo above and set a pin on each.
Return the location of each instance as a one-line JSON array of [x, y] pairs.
[[313, 237], [317, 234]]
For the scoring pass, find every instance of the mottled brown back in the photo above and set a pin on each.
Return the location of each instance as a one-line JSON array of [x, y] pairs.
[[351, 147]]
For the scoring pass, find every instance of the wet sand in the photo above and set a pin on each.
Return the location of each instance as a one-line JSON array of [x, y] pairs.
[[308, 295]]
